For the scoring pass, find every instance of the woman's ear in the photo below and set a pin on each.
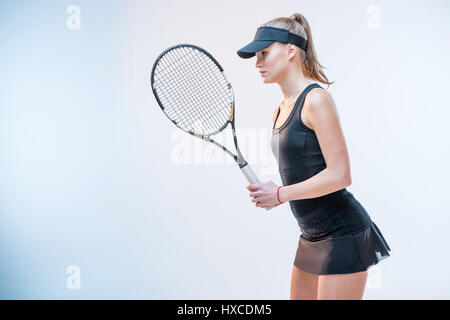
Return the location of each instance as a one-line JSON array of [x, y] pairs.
[[292, 50]]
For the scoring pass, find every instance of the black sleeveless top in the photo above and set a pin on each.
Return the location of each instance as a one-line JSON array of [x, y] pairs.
[[299, 157]]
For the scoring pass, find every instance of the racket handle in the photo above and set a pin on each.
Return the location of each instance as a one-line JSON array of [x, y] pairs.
[[251, 176]]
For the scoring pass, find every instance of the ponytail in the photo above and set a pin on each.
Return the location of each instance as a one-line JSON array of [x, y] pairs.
[[298, 24]]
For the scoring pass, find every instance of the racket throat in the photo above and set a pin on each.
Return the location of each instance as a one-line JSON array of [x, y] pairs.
[[240, 161]]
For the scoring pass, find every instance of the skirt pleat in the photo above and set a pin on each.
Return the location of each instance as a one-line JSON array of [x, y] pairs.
[[350, 253]]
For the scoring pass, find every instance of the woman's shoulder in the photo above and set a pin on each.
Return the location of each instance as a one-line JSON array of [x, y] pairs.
[[317, 99], [318, 96], [319, 92]]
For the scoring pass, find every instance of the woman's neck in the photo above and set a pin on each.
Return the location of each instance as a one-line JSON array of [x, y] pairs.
[[292, 86]]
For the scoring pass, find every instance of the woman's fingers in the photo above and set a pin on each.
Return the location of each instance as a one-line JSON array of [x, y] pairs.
[[253, 187]]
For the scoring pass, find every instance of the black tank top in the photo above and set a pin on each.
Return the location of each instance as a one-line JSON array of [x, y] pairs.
[[296, 146], [299, 157]]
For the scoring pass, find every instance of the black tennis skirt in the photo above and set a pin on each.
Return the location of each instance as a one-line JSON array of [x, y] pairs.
[[342, 253]]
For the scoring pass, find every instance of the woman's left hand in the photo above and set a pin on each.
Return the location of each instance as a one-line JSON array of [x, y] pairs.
[[264, 194]]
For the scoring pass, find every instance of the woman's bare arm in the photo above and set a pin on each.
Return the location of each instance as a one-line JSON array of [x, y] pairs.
[[322, 116]]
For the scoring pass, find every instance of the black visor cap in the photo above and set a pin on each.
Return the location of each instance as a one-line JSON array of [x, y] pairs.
[[265, 36]]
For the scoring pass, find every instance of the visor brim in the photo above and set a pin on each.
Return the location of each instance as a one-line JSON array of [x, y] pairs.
[[249, 50]]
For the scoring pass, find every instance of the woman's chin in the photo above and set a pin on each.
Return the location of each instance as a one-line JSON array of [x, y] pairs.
[[267, 79]]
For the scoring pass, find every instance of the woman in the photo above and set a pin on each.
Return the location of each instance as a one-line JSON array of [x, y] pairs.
[[339, 240]]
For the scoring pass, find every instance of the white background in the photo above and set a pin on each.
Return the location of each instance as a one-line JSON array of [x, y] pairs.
[[89, 172]]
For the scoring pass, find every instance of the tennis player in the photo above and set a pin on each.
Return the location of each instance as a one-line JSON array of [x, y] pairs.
[[338, 240]]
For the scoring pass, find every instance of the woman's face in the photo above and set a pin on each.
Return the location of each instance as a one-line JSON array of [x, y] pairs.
[[273, 60]]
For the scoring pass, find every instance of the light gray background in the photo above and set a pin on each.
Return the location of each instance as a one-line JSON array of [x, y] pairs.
[[88, 162]]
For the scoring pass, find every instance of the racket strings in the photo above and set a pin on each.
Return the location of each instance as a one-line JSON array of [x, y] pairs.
[[195, 99], [198, 94], [209, 114], [194, 92]]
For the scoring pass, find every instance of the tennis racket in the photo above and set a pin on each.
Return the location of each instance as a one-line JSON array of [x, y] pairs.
[[194, 93]]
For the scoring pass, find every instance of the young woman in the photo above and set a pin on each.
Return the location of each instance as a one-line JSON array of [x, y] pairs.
[[338, 240]]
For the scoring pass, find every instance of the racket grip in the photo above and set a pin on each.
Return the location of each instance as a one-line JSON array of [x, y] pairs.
[[251, 176]]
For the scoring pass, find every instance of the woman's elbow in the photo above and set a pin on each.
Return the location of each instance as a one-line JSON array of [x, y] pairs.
[[342, 177], [347, 180], [345, 177]]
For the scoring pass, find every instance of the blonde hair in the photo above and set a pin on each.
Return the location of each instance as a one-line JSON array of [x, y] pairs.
[[297, 24]]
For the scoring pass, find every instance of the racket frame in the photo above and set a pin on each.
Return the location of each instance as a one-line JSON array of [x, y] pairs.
[[238, 158]]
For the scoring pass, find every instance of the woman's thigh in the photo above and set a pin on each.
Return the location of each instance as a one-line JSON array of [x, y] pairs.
[[348, 286], [303, 285]]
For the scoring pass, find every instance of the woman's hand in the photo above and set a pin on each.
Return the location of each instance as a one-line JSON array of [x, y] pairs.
[[264, 194]]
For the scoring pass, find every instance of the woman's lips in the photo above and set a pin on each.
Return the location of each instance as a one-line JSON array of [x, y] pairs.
[[262, 72]]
